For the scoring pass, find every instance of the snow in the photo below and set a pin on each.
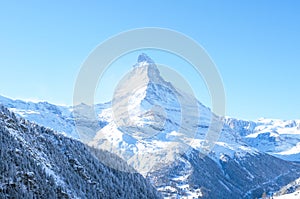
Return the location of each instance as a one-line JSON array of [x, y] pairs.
[[23, 113], [279, 138], [291, 151], [58, 118], [57, 179], [295, 195]]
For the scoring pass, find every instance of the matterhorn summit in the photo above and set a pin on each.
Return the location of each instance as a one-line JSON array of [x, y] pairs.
[[145, 105], [145, 71], [151, 114], [144, 58]]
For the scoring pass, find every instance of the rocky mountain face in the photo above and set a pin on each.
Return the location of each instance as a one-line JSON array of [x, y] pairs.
[[161, 132], [36, 162]]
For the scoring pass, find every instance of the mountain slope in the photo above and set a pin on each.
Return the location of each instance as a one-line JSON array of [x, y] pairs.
[[36, 162], [239, 177]]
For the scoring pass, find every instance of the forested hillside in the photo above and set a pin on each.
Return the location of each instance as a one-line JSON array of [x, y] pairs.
[[36, 162]]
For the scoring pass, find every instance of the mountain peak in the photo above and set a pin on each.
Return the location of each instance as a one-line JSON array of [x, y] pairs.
[[145, 58], [146, 67]]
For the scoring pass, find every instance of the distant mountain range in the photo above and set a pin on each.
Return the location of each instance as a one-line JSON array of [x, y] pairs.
[[249, 160]]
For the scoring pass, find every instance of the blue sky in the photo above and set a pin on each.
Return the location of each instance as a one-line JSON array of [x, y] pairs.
[[255, 45]]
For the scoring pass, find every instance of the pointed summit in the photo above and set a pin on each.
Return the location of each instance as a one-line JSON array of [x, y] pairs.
[[145, 58], [147, 69]]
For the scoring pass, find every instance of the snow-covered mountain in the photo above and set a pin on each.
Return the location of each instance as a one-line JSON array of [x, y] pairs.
[[150, 116], [170, 152], [43, 113], [280, 138], [36, 162], [58, 118], [162, 132]]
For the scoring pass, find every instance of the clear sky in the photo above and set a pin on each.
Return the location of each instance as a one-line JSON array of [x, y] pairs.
[[255, 45]]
